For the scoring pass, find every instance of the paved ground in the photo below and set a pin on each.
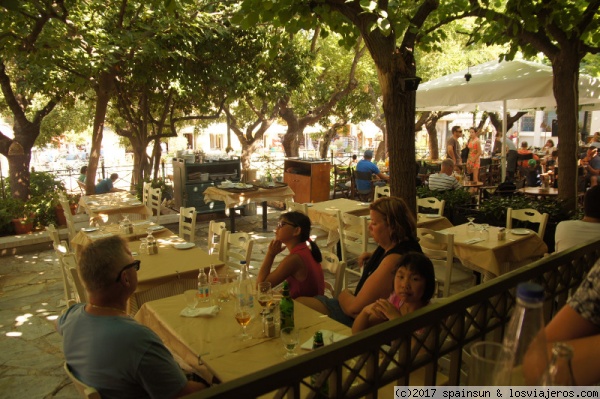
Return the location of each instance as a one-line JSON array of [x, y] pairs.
[[31, 298]]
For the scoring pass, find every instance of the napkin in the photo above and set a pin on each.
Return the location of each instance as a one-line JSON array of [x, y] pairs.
[[209, 311], [328, 338], [473, 240]]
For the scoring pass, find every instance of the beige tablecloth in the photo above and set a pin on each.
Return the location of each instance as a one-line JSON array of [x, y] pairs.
[[433, 222], [233, 199], [492, 257], [212, 341], [325, 214], [113, 204], [140, 229]]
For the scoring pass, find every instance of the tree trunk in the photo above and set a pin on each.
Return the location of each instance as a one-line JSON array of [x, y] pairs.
[[566, 75], [104, 92]]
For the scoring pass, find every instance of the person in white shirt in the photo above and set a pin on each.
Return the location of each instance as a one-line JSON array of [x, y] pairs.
[[574, 232], [444, 180]]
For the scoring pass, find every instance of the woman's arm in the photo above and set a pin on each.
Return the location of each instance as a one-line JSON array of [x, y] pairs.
[[287, 267], [378, 285]]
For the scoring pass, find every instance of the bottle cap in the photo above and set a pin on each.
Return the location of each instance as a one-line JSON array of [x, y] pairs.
[[531, 292]]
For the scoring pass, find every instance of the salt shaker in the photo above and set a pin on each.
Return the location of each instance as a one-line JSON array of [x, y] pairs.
[[502, 234]]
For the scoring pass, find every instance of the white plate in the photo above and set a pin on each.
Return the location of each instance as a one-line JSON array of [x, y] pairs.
[[432, 216], [156, 228], [328, 338], [184, 245], [134, 203], [520, 232], [90, 229]]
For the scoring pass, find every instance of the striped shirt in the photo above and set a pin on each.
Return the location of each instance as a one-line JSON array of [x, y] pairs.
[[442, 182]]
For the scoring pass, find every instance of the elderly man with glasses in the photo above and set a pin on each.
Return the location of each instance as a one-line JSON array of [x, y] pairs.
[[107, 349]]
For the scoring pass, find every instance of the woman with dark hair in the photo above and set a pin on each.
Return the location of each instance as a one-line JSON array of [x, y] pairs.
[[82, 173], [414, 285], [301, 268], [393, 227]]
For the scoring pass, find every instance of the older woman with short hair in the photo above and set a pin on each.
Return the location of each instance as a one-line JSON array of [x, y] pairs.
[[393, 227]]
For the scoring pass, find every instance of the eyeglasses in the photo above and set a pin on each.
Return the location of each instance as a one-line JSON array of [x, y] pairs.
[[135, 264], [282, 223], [459, 131]]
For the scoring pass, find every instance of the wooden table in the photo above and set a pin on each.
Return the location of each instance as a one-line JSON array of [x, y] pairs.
[[433, 222], [325, 214], [237, 197], [493, 258], [212, 341], [113, 204], [539, 192]]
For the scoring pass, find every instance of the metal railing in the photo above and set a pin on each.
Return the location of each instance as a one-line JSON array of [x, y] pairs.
[[390, 353]]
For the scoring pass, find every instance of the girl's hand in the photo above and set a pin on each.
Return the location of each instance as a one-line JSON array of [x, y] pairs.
[[275, 248], [384, 309]]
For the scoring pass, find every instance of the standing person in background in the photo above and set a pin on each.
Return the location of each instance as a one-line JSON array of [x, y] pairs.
[[474, 146], [511, 156], [452, 145]]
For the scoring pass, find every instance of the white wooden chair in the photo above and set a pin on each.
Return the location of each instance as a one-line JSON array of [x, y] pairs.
[[216, 232], [332, 264], [354, 239], [154, 201], [71, 274], [431, 202], [439, 248], [187, 223], [527, 215], [68, 216], [145, 188], [85, 390], [236, 248], [381, 191]]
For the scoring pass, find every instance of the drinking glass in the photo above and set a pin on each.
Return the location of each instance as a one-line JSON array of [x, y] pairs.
[[471, 227], [191, 299], [290, 337], [221, 291], [265, 297], [243, 315], [484, 233], [143, 246], [491, 364]]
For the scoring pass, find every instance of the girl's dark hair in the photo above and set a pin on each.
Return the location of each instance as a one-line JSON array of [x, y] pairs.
[[421, 264], [83, 169], [298, 219]]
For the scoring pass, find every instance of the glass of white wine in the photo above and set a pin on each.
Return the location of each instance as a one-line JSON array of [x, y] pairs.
[[290, 337], [265, 297], [243, 315]]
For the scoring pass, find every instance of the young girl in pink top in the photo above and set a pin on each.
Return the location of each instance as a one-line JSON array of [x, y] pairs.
[[414, 284], [302, 267]]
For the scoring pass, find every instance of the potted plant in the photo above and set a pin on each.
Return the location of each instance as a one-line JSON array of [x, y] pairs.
[[20, 215]]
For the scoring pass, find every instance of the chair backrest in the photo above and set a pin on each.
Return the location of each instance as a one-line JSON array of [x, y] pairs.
[[68, 216], [216, 230], [354, 234], [527, 215], [69, 265], [154, 201], [382, 191], [431, 202], [439, 248], [187, 223], [332, 263], [292, 206], [236, 247], [86, 391], [341, 177], [145, 188], [81, 186], [53, 233]]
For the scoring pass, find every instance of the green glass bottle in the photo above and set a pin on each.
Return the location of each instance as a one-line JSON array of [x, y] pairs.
[[286, 307]]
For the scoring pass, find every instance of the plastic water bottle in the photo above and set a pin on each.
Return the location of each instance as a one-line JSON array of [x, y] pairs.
[[245, 287], [526, 338], [203, 286], [286, 307], [213, 277]]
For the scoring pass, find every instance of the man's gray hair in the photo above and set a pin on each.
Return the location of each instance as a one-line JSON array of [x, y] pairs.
[[99, 262], [447, 163]]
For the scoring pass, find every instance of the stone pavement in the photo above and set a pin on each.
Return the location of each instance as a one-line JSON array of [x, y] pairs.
[[31, 299]]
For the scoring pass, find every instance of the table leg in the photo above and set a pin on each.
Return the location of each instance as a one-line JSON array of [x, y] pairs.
[[264, 215], [232, 219]]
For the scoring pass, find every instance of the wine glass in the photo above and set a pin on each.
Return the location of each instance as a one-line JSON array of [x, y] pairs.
[[265, 297], [484, 232], [290, 338], [243, 315], [191, 299], [471, 228]]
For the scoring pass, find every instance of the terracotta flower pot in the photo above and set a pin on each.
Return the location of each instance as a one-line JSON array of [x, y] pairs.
[[60, 214], [21, 226]]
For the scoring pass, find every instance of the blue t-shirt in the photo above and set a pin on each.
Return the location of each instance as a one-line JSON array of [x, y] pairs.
[[595, 162], [104, 186], [365, 166], [118, 356]]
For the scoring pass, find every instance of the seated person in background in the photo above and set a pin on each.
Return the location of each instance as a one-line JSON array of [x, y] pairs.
[[106, 185], [301, 268], [444, 180], [414, 284], [570, 233], [532, 174], [588, 173], [549, 148], [82, 174], [365, 165], [578, 324], [393, 228], [107, 349], [524, 150]]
